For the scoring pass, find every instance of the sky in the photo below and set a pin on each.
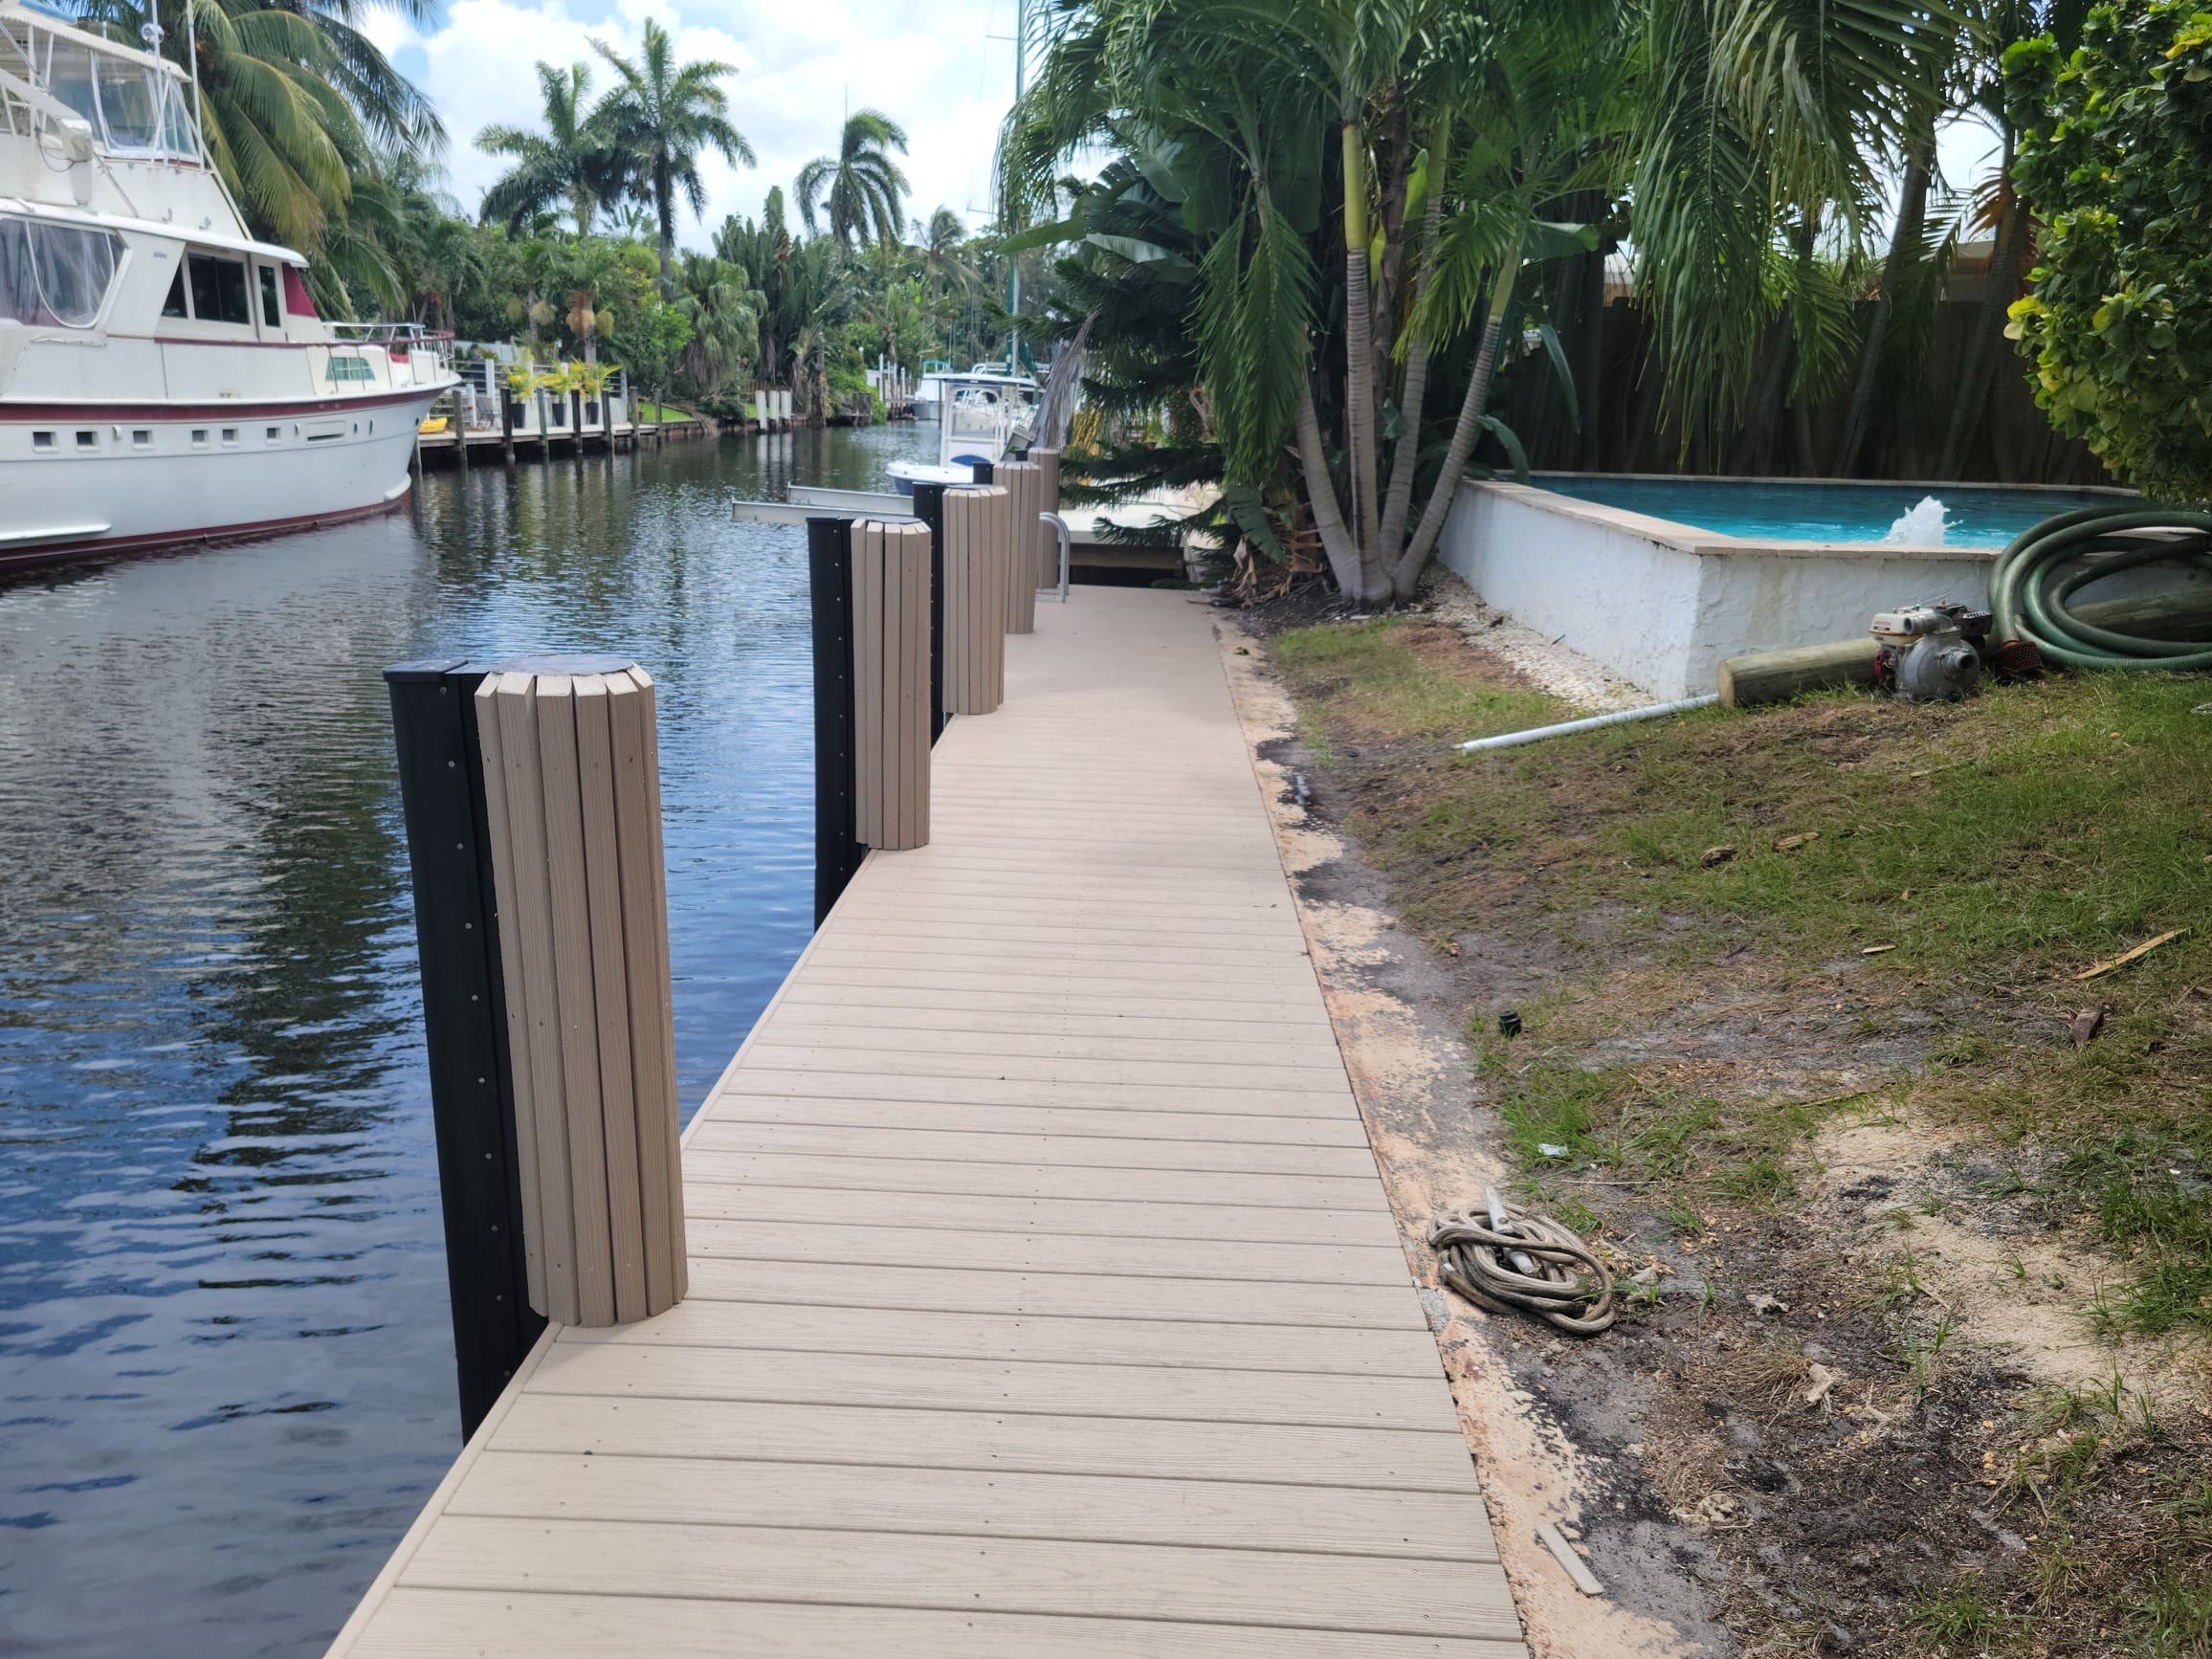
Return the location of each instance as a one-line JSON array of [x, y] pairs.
[[937, 70], [943, 70]]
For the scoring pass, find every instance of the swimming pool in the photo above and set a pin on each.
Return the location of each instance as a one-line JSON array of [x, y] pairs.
[[1660, 578], [1786, 510]]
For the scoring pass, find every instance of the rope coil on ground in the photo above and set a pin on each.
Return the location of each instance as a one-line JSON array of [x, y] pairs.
[[1504, 1260]]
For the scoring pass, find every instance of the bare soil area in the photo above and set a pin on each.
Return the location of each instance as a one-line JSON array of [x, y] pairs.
[[1915, 1224]]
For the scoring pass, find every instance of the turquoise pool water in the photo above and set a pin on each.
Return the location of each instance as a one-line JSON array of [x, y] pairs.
[[1784, 511]]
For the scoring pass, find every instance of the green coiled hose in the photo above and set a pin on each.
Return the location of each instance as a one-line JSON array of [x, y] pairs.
[[2031, 584]]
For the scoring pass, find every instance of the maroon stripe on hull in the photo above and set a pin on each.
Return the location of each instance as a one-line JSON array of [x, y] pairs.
[[181, 541], [234, 409]]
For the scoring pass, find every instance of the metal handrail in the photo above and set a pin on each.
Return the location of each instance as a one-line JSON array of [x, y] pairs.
[[390, 331], [1067, 542]]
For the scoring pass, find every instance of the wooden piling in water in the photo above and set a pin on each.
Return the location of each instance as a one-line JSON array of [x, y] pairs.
[[572, 780]]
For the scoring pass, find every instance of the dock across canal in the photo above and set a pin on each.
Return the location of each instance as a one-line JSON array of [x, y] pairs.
[[1044, 1296]]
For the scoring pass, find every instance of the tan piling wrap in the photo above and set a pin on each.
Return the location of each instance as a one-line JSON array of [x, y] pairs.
[[978, 525], [1023, 482], [1048, 465], [506, 902], [890, 683], [572, 782]]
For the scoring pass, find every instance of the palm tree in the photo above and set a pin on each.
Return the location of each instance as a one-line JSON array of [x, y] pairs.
[[893, 310], [944, 257], [861, 186], [436, 256], [724, 310], [594, 273], [1236, 111], [570, 163], [659, 118], [1762, 130]]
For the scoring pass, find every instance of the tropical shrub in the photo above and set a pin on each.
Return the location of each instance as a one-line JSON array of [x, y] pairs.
[[2115, 152]]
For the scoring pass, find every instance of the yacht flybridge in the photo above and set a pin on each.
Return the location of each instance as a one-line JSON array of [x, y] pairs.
[[163, 377]]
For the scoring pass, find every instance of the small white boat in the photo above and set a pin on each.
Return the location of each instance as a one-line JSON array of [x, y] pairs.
[[983, 415], [164, 376]]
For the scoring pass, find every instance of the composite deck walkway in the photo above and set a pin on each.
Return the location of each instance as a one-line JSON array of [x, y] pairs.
[[1044, 1296]]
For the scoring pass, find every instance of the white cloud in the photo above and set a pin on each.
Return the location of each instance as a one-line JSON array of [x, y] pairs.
[[932, 69]]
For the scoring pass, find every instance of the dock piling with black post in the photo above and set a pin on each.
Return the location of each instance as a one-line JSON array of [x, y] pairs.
[[464, 1017], [837, 847], [929, 508]]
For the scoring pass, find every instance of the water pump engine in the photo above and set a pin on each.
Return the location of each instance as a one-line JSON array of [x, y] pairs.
[[1930, 652]]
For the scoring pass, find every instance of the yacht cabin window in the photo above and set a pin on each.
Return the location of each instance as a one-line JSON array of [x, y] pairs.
[[69, 77], [218, 290], [53, 274], [129, 103], [272, 308]]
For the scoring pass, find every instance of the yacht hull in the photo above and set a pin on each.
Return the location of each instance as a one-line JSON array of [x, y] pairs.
[[82, 479]]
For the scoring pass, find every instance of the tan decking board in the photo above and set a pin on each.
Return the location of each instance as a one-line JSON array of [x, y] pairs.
[[1042, 1295]]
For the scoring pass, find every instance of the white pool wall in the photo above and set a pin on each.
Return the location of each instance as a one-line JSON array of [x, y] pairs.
[[1662, 603]]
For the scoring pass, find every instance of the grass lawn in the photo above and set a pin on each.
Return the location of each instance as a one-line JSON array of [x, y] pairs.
[[1744, 934]]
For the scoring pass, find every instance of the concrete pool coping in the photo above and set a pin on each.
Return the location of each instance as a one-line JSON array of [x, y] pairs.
[[1696, 539], [1662, 602]]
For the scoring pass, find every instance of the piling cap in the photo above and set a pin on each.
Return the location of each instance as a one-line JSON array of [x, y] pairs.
[[438, 667], [555, 663]]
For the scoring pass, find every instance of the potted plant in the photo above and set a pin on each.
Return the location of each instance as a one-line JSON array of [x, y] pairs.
[[597, 410], [520, 378]]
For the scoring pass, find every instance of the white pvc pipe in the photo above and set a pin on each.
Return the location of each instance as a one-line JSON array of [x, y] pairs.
[[1618, 718]]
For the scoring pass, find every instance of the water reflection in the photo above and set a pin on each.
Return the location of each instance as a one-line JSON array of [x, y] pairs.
[[225, 1367]]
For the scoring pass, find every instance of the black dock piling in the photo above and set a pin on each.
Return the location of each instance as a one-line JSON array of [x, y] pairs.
[[464, 1017], [837, 849], [929, 508]]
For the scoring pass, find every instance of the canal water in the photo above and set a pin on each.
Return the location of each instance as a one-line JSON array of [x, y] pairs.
[[226, 1366]]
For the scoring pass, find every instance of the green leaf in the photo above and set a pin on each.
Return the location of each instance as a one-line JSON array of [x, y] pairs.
[[1142, 252], [1550, 336], [1066, 230], [1250, 512], [1510, 441], [1545, 239]]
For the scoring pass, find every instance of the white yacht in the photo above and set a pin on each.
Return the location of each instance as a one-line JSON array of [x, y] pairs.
[[981, 416], [164, 376]]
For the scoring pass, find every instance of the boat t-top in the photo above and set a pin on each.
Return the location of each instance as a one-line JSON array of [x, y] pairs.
[[983, 416], [164, 375]]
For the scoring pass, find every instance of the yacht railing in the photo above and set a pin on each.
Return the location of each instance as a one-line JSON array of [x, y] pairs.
[[409, 339]]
